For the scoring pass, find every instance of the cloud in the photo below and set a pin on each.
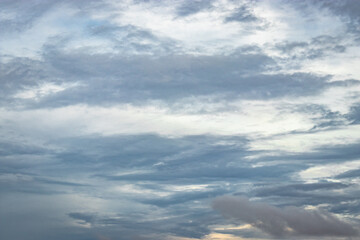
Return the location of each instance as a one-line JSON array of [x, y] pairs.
[[322, 193], [317, 47], [286, 190], [354, 114], [143, 78], [242, 14], [85, 217], [191, 7], [22, 14], [349, 174], [206, 173], [283, 222], [347, 9], [124, 119]]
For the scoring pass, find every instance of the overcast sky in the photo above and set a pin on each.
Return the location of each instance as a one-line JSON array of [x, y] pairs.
[[179, 119]]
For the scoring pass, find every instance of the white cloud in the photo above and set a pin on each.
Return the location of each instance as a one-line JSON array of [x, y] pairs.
[[251, 118]]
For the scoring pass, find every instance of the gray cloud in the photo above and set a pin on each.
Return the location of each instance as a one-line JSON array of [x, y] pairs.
[[348, 10], [20, 74], [130, 40], [133, 74], [146, 186], [283, 222], [191, 224], [203, 173], [85, 217], [188, 160], [181, 198], [187, 8], [108, 79], [242, 14], [302, 187], [323, 154], [317, 47], [304, 194], [25, 13], [347, 207], [354, 114], [349, 174]]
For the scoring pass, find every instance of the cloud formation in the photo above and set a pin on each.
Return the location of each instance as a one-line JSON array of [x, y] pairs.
[[283, 222], [125, 119]]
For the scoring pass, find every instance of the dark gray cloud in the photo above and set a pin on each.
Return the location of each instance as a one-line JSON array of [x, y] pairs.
[[282, 222]]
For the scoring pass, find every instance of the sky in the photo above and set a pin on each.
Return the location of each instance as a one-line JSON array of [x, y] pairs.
[[179, 119]]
